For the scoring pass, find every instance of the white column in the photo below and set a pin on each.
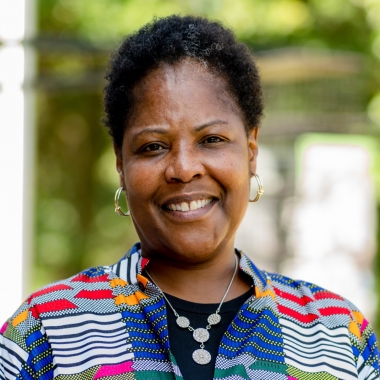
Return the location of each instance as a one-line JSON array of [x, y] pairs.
[[15, 150]]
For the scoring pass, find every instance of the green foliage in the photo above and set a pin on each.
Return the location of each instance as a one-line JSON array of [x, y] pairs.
[[75, 181], [340, 24]]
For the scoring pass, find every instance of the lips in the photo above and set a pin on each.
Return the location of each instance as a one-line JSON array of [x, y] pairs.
[[189, 206]]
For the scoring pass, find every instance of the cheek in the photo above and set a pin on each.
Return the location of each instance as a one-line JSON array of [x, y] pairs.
[[233, 171], [140, 181]]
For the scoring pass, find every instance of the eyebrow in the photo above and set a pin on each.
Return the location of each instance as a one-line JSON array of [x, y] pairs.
[[160, 131], [163, 131], [210, 123]]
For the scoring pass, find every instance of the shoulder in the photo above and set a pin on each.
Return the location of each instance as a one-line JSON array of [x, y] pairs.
[[302, 301], [298, 298], [302, 293], [91, 291], [63, 298], [306, 308]]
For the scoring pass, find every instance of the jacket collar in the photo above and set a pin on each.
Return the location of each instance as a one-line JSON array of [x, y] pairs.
[[130, 267]]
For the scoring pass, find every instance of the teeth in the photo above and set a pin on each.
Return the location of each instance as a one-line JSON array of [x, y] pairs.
[[184, 206], [193, 205]]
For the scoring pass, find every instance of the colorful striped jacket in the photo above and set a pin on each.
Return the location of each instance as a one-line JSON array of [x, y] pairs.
[[110, 323]]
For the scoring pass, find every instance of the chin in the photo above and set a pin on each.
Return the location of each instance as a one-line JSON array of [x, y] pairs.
[[195, 249]]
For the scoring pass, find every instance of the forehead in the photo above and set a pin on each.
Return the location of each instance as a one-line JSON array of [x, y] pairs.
[[187, 85], [174, 75]]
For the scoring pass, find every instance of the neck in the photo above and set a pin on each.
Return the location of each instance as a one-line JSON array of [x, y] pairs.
[[206, 282]]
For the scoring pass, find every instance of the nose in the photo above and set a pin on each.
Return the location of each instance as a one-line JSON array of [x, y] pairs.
[[184, 164]]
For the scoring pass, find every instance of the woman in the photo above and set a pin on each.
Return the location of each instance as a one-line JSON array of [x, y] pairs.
[[183, 105]]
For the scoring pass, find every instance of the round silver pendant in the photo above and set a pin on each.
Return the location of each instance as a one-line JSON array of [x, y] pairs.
[[183, 322], [201, 335], [201, 356], [214, 319]]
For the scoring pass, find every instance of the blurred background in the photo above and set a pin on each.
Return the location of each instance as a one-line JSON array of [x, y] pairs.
[[319, 142]]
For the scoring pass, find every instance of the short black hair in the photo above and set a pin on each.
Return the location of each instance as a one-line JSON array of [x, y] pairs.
[[170, 40]]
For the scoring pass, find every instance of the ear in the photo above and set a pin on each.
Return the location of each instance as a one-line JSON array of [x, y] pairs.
[[119, 164], [253, 149]]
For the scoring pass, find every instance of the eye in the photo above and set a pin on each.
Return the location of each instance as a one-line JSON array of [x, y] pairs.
[[212, 140], [152, 147]]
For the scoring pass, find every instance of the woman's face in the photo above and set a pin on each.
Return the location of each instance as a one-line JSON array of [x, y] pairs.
[[185, 163]]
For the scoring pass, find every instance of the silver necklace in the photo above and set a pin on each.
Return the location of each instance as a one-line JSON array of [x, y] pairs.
[[201, 335]]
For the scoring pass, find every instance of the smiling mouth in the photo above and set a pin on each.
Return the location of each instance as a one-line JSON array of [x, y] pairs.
[[189, 206]]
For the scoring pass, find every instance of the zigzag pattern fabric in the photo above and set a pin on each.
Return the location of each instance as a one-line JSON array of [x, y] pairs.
[[110, 323]]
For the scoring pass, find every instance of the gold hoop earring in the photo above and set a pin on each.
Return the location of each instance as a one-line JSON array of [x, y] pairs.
[[117, 206], [260, 191]]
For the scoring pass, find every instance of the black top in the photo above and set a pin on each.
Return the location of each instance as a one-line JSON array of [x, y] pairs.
[[182, 343]]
